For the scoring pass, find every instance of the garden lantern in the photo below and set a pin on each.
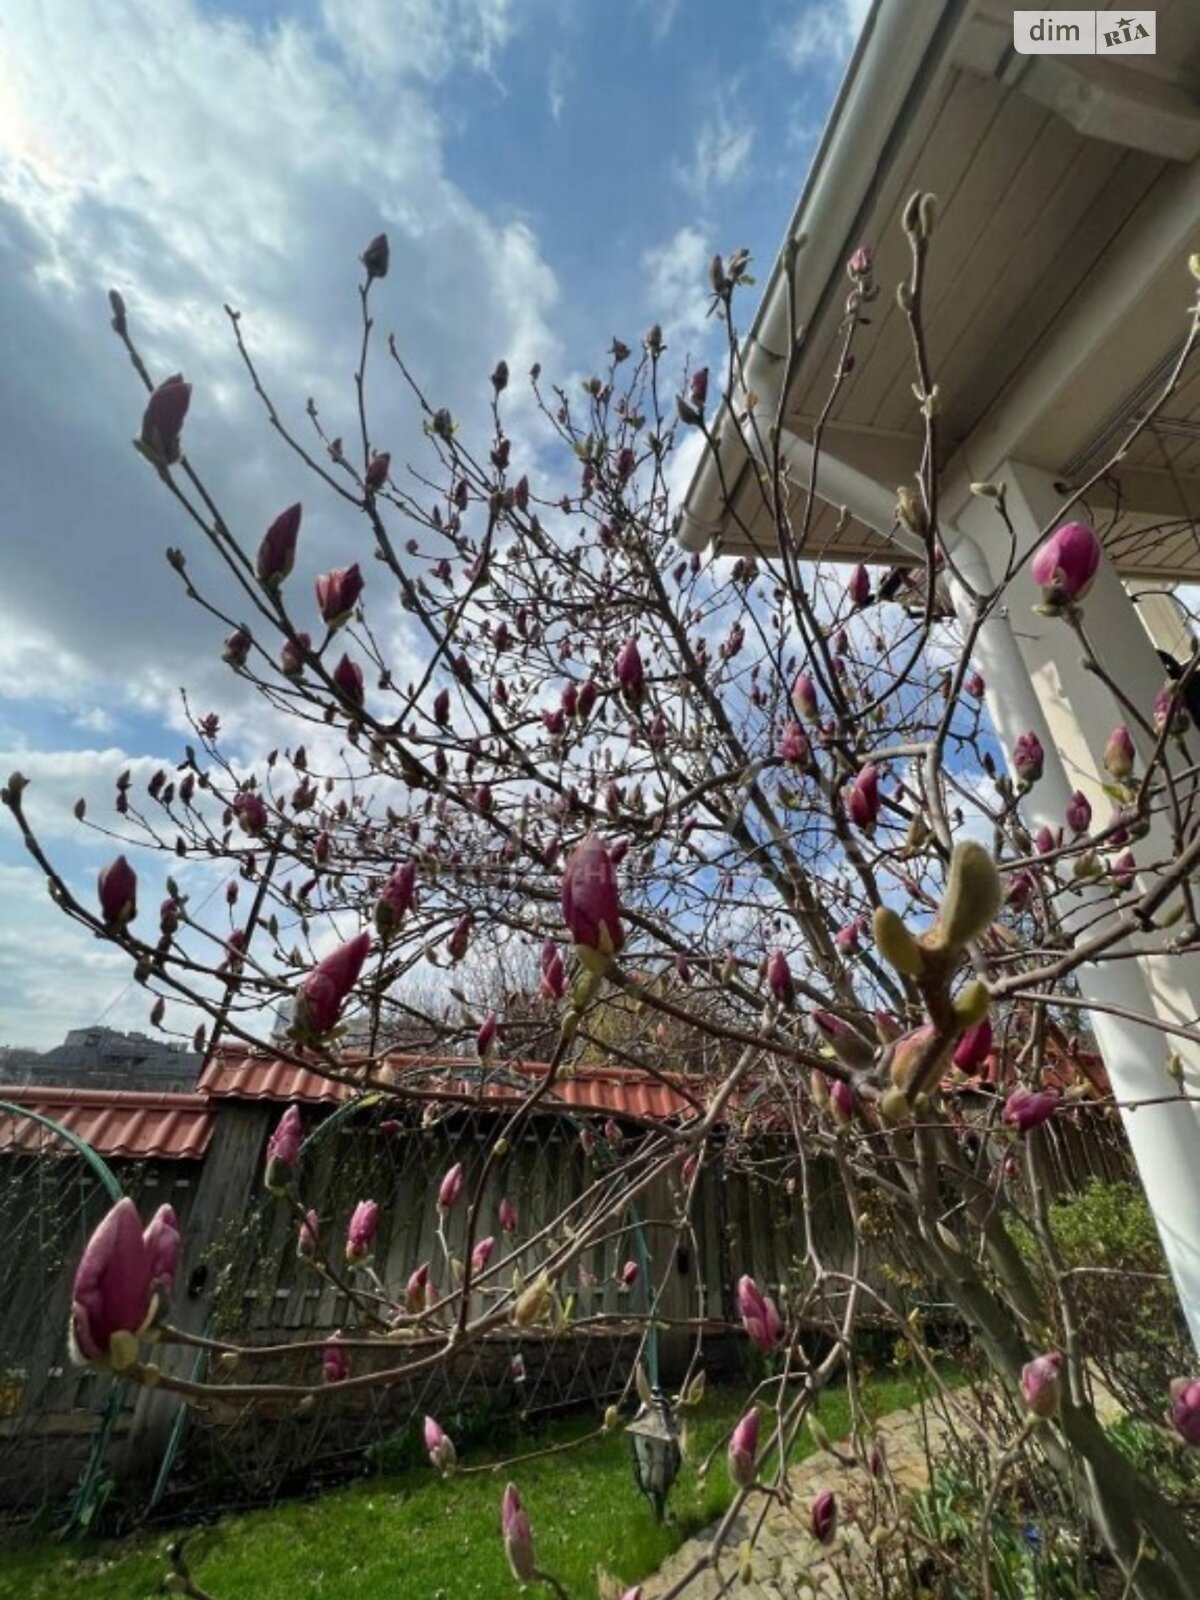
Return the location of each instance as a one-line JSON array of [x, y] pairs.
[[656, 1453]]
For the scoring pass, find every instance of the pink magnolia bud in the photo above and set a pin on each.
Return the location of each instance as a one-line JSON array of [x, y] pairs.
[[338, 593], [1185, 1408], [460, 937], [169, 914], [397, 899], [822, 1520], [849, 939], [1046, 841], [348, 681], [862, 799], [859, 264], [1018, 890], [1119, 753], [162, 1250], [843, 1102], [587, 1140], [518, 1536], [1169, 713], [1041, 1384], [974, 1048], [569, 700], [613, 1134], [759, 1316], [507, 1214], [450, 1188], [250, 809], [793, 745], [291, 657], [859, 587], [360, 1235], [485, 1039], [415, 1288], [743, 1449], [628, 1275], [631, 674], [376, 256], [277, 552], [283, 1150], [377, 471], [587, 697], [438, 1447], [779, 978], [113, 1292], [306, 1239], [162, 421], [1026, 1108], [847, 1044], [335, 1361], [1028, 758], [236, 650], [554, 976], [1124, 870], [117, 886], [591, 904], [482, 1254], [974, 685], [441, 707], [1066, 565], [804, 697], [325, 990], [1079, 813], [698, 387]]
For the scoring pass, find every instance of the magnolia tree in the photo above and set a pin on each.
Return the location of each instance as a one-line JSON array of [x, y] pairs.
[[740, 819]]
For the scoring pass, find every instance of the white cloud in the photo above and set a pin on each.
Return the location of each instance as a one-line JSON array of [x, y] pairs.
[[677, 283], [420, 38], [723, 146], [822, 32], [661, 15]]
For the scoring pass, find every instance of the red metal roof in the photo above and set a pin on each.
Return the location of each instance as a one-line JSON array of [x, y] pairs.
[[115, 1122], [611, 1091]]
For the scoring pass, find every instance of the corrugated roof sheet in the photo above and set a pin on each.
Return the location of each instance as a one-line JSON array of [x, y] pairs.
[[115, 1122], [611, 1091]]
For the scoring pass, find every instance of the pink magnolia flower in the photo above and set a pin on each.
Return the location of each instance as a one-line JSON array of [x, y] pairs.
[[554, 975], [628, 1275], [325, 990], [376, 256], [1124, 870], [236, 649], [360, 1235], [250, 809], [335, 1361], [743, 1449], [793, 746], [451, 1187], [396, 900], [291, 657], [162, 421], [859, 587], [1066, 565], [973, 1049], [1119, 753], [591, 905], [822, 1519], [485, 1039], [283, 1150], [306, 1241], [843, 1102], [804, 697], [507, 1214], [482, 1254], [518, 1536], [117, 886], [1079, 813], [612, 1132], [859, 264], [376, 474], [1185, 1408], [862, 799], [974, 685], [348, 681], [277, 552], [460, 937], [162, 1250], [1041, 1384], [847, 1044], [338, 592], [439, 1447], [113, 1290], [1028, 758], [441, 707], [779, 977], [849, 939], [1026, 1108], [631, 674], [1046, 841], [1169, 712], [759, 1316]]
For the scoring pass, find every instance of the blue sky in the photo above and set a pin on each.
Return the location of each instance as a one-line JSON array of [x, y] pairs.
[[550, 172]]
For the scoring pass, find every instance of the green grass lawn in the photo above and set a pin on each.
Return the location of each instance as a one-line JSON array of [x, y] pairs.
[[413, 1536]]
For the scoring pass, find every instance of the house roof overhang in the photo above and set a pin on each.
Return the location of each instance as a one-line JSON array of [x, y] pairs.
[[1057, 290]]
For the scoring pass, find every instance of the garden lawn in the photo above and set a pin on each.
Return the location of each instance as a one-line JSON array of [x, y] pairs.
[[413, 1536]]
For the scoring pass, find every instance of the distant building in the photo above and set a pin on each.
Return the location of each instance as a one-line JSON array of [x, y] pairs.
[[102, 1058]]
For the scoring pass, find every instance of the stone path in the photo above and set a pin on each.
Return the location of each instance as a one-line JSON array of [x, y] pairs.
[[787, 1562]]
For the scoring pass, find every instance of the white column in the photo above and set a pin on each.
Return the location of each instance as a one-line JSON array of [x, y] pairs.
[[1035, 682]]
